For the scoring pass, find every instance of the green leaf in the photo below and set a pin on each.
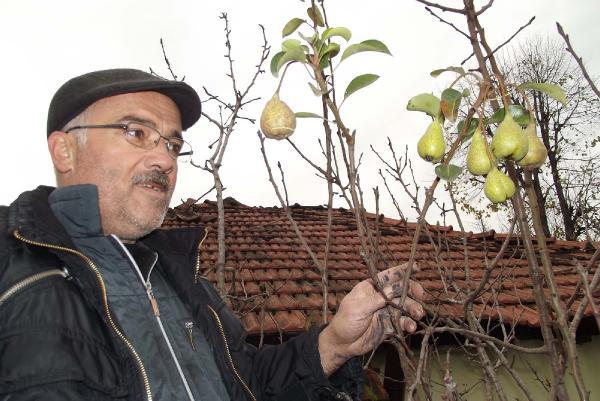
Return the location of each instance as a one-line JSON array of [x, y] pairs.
[[371, 45], [458, 70], [472, 126], [310, 40], [306, 114], [324, 63], [315, 15], [552, 90], [295, 54], [315, 90], [338, 31], [331, 50], [518, 112], [290, 44], [466, 92], [275, 61], [426, 103], [448, 172], [450, 102], [360, 82], [291, 26]]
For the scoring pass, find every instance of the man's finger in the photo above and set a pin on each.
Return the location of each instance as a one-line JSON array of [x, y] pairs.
[[394, 274], [394, 290], [404, 322]]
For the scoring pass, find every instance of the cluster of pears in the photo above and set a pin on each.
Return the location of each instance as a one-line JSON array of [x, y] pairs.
[[510, 142], [277, 120]]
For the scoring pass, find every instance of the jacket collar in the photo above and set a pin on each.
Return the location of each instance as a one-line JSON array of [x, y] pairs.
[[32, 215]]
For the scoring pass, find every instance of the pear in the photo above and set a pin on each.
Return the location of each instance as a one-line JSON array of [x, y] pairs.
[[509, 141], [537, 153], [478, 161], [277, 120], [432, 145], [498, 186]]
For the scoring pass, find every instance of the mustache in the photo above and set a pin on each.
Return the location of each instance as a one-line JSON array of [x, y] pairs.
[[155, 177]]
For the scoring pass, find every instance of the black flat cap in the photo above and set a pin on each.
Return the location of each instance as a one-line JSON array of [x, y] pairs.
[[78, 93]]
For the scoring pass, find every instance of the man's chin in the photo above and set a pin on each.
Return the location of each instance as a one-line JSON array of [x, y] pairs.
[[135, 224]]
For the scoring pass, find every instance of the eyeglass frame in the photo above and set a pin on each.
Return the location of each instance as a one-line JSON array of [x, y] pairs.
[[125, 128]]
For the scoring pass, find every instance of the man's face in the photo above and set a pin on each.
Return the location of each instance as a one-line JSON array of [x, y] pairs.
[[135, 185]]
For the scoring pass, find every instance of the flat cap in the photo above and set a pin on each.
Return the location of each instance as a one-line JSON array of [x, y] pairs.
[[78, 93]]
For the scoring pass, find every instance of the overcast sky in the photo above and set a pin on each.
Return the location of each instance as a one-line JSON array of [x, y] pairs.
[[46, 43]]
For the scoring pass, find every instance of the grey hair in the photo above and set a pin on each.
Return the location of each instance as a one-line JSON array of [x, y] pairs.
[[80, 134]]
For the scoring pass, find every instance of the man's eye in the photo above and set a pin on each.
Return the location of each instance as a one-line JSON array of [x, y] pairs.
[[175, 147], [136, 133]]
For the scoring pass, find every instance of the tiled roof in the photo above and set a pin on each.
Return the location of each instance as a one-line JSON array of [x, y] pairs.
[[269, 274]]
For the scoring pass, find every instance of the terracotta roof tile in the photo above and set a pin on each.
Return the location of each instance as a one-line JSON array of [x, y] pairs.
[[269, 274]]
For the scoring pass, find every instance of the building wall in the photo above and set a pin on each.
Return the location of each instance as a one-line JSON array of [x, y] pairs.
[[533, 369]]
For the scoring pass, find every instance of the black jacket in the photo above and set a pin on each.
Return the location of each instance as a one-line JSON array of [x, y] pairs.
[[59, 341]]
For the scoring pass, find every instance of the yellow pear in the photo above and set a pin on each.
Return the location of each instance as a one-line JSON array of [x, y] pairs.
[[277, 120], [498, 186], [537, 153], [509, 141], [432, 145], [478, 161]]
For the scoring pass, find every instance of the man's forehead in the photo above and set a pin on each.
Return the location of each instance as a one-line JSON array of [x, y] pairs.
[[148, 107]]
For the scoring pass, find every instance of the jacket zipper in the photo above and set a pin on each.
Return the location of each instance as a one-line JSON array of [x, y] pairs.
[[100, 281], [237, 375], [21, 285], [156, 313], [197, 271]]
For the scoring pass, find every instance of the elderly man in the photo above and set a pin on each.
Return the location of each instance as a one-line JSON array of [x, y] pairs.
[[98, 303]]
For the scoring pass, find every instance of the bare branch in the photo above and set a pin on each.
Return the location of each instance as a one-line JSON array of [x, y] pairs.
[[446, 22], [504, 43], [578, 59], [441, 7]]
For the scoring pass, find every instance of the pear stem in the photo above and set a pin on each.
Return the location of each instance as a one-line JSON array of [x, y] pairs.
[[282, 76]]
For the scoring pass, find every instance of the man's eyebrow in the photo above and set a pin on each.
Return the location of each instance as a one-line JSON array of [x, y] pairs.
[[136, 119]]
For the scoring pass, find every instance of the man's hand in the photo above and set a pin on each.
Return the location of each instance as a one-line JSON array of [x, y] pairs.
[[362, 321]]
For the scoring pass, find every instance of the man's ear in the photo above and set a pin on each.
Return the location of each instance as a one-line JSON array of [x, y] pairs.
[[63, 149]]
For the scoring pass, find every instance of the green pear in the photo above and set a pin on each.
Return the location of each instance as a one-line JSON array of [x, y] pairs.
[[498, 186], [277, 120], [478, 161], [509, 141], [432, 145], [537, 153]]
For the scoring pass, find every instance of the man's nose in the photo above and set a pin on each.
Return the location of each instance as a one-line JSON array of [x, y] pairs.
[[160, 157]]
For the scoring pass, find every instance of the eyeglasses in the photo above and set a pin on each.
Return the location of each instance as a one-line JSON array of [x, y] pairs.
[[146, 137]]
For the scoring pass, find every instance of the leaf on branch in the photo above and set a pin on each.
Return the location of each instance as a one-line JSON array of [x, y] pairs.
[[551, 90], [426, 103], [331, 50], [338, 31], [312, 40], [518, 112], [315, 90], [290, 44], [294, 54], [306, 114], [472, 126], [448, 172], [315, 15], [371, 45], [360, 82], [291, 26], [275, 61], [458, 70], [450, 102]]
